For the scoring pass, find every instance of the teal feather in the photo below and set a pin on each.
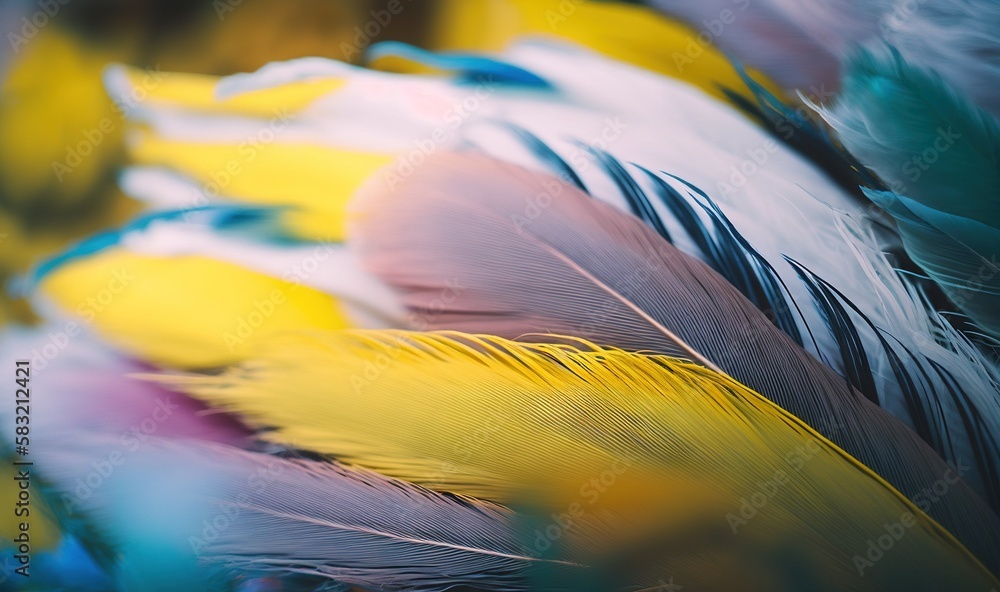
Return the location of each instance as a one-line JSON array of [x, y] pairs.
[[940, 156], [960, 254]]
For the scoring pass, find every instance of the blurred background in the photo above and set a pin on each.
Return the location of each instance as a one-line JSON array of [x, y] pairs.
[[52, 98]]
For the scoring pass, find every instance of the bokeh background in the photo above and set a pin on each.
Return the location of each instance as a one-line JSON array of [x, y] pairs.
[[52, 95]]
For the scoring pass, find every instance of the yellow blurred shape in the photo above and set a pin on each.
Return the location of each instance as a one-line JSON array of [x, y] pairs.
[[185, 312], [632, 34], [59, 131], [319, 180], [197, 93]]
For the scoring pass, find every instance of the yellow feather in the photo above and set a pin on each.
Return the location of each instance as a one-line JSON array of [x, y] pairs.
[[318, 181], [665, 450], [196, 92], [632, 34], [185, 312]]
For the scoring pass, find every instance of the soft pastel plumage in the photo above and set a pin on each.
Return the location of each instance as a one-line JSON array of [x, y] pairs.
[[678, 447], [733, 184], [760, 34], [628, 34], [240, 270], [111, 446], [481, 246], [940, 155], [789, 395], [710, 144], [227, 517], [954, 37], [79, 390]]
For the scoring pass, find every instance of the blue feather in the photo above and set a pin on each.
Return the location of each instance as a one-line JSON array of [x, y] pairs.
[[261, 223], [469, 67], [940, 156]]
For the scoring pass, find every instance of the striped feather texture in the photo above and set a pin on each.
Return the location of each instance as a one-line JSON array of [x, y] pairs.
[[477, 245], [940, 155], [644, 456], [893, 346], [227, 516]]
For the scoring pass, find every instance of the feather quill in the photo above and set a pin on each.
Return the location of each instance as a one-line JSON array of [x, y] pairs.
[[169, 496], [635, 452], [472, 244], [226, 516]]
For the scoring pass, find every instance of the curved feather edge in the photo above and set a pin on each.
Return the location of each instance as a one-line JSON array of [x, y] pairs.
[[941, 385], [477, 245], [523, 423], [940, 155], [234, 517]]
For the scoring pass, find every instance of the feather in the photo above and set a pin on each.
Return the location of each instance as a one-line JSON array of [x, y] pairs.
[[253, 238], [919, 367], [198, 93], [239, 268], [950, 393], [206, 324], [761, 35], [940, 155], [78, 386], [764, 197], [467, 67], [957, 38], [227, 516], [711, 145], [111, 447], [801, 133], [631, 35], [86, 389], [677, 447], [477, 245]]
